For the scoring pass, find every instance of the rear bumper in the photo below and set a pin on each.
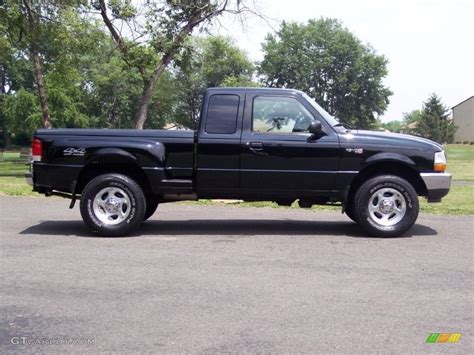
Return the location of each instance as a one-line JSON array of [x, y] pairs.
[[437, 185]]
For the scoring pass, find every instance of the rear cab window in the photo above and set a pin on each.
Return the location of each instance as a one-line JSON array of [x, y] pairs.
[[222, 114]]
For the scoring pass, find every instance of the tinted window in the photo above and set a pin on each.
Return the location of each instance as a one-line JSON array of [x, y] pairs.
[[222, 114], [279, 115]]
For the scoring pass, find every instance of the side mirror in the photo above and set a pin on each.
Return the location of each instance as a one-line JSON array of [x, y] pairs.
[[315, 128]]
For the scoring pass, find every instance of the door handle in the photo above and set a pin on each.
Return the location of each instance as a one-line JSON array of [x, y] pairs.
[[255, 145], [256, 148]]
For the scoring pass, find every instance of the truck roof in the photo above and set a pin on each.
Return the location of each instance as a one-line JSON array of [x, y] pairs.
[[254, 89]]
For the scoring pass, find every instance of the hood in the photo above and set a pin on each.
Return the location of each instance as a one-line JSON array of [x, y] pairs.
[[390, 139]]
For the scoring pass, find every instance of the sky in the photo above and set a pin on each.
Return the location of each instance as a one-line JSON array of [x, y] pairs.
[[428, 43]]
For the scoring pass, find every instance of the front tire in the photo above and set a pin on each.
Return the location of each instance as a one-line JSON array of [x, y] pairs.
[[386, 206], [112, 205], [151, 206], [349, 211]]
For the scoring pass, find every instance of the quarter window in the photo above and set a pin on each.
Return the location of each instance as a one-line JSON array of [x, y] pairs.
[[272, 114], [222, 114]]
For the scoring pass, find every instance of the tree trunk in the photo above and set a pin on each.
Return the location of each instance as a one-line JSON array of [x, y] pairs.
[[40, 82], [149, 84], [7, 140], [6, 134], [33, 28], [141, 115], [148, 88]]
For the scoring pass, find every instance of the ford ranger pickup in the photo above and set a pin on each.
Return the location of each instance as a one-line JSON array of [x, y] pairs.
[[252, 144]]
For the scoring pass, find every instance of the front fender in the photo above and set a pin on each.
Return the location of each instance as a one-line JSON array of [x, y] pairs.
[[388, 157]]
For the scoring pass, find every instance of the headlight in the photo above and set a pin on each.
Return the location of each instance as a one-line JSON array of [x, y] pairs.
[[440, 161]]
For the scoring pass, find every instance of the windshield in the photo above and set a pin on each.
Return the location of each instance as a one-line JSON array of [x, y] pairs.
[[329, 119]]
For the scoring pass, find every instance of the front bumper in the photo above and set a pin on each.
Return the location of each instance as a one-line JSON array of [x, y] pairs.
[[437, 185]]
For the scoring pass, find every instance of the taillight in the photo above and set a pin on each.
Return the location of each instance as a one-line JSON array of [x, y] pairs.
[[36, 149]]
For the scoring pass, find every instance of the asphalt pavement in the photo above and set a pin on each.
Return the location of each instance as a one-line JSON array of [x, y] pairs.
[[228, 279]]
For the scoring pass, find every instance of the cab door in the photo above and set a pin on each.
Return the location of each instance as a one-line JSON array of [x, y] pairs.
[[279, 155], [218, 147]]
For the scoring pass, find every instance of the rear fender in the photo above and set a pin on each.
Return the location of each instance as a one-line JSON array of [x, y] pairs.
[[110, 156], [120, 160], [155, 150]]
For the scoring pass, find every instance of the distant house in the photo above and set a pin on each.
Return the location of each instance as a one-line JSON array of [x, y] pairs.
[[463, 116], [408, 129]]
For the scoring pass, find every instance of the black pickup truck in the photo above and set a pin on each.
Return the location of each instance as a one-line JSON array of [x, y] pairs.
[[252, 144]]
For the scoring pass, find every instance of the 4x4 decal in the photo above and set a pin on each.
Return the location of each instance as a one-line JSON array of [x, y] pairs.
[[74, 152]]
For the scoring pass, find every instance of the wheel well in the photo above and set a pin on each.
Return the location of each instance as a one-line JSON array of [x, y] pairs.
[[97, 168], [387, 168]]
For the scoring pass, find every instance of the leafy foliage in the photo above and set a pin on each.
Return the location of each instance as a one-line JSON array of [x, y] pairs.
[[40, 59], [22, 111], [166, 25], [209, 62], [325, 60], [93, 79]]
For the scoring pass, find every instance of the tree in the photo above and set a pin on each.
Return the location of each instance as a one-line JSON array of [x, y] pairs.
[[33, 28], [70, 46], [433, 121], [30, 14], [5, 80], [325, 60], [167, 26], [209, 62], [16, 73], [86, 82]]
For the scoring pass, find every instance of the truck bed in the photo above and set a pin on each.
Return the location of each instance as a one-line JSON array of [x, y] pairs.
[[165, 156]]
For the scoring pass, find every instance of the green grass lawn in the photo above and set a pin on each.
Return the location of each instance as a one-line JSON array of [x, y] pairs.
[[12, 165], [15, 186], [12, 175], [460, 200], [461, 161]]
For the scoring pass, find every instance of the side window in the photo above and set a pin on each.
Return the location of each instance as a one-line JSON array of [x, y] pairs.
[[222, 114], [272, 114]]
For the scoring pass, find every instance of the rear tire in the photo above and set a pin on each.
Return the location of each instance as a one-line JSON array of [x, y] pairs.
[[112, 205], [386, 206]]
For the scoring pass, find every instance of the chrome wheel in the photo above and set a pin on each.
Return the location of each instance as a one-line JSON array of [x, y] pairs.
[[387, 207], [112, 205]]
